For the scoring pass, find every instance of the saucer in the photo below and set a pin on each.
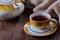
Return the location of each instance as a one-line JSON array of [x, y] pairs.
[[50, 30]]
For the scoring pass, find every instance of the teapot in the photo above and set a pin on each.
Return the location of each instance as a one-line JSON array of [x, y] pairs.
[[10, 8]]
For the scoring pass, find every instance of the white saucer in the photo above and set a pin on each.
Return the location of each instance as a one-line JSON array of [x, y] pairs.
[[35, 30], [50, 30]]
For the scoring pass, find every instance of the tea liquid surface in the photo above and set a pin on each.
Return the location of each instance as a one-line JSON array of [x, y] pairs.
[[39, 18]]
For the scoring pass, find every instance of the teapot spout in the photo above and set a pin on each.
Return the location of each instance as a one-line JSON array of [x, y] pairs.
[[17, 5]]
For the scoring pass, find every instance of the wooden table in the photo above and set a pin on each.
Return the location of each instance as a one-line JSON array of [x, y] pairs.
[[13, 29]]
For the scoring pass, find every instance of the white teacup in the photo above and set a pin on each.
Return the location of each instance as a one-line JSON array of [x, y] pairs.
[[40, 20]]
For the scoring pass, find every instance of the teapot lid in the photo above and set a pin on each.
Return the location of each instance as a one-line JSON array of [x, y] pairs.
[[9, 1], [6, 1]]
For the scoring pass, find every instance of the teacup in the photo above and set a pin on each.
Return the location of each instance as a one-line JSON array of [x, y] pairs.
[[41, 20]]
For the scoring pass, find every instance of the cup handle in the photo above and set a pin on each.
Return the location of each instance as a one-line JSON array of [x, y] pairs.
[[53, 23]]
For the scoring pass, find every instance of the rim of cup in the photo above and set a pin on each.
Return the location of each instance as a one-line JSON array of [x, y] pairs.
[[47, 15]]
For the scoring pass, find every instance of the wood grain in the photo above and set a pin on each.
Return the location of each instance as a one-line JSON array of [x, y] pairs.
[[6, 30]]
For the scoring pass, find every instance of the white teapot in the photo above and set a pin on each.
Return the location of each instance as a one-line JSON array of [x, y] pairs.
[[10, 8]]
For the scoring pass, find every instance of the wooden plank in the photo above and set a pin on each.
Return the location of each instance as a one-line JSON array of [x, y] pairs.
[[18, 33], [6, 30]]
